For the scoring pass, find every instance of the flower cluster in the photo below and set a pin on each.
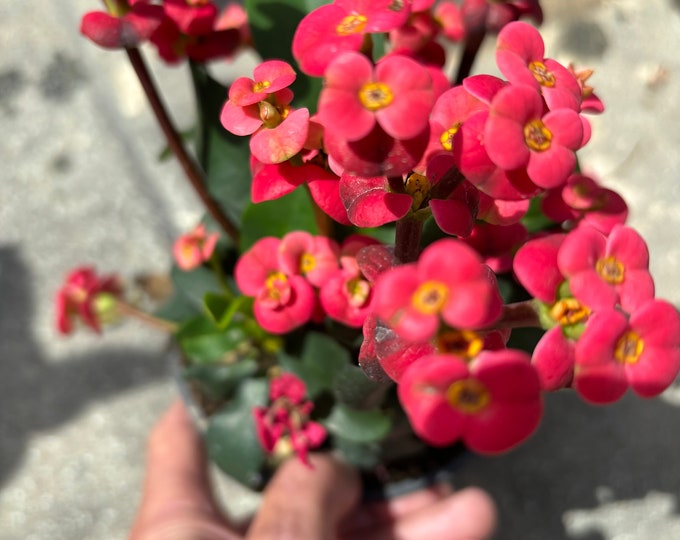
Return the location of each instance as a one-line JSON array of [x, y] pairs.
[[402, 225], [301, 277], [285, 422]]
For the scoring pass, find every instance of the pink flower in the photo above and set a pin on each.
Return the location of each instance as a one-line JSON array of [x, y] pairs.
[[519, 135], [397, 95], [260, 107], [615, 352], [582, 199], [535, 266], [78, 297], [604, 272], [124, 26], [286, 419], [191, 250], [193, 18], [448, 281], [346, 294], [496, 243], [282, 302], [328, 30], [519, 55], [492, 404], [315, 257]]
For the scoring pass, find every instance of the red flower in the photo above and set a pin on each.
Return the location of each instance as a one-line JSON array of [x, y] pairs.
[[615, 352], [519, 55], [328, 30], [282, 302], [448, 281], [492, 404], [78, 297], [397, 95], [606, 271], [125, 26], [518, 134]]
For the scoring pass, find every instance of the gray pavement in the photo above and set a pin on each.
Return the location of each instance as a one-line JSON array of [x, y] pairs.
[[79, 183]]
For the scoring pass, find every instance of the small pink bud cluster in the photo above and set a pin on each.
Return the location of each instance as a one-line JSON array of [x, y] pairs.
[[302, 277], [79, 298], [285, 420]]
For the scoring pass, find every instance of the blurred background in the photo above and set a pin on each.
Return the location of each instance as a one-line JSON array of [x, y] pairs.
[[80, 182]]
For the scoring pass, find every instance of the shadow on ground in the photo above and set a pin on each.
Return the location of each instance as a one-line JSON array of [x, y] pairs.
[[38, 396]]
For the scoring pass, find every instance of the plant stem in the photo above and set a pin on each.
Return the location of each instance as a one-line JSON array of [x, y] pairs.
[[472, 44], [191, 169], [131, 311], [221, 277], [517, 315], [407, 239]]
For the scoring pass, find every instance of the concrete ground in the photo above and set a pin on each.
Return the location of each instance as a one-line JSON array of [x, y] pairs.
[[79, 182]]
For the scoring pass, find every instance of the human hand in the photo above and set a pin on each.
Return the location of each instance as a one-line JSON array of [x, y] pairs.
[[299, 503]]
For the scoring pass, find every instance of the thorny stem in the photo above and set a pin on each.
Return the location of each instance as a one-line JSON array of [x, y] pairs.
[[131, 311], [191, 169], [407, 239], [472, 44]]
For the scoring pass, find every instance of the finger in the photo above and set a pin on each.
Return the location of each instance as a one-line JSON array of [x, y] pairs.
[[469, 514], [377, 513], [303, 503], [176, 488]]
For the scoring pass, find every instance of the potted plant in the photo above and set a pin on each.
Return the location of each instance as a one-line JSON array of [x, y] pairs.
[[395, 263]]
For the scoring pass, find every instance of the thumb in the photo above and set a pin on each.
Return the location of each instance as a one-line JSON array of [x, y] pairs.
[[304, 503]]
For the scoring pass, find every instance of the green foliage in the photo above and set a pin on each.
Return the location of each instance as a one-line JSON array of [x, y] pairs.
[[321, 359], [293, 212], [231, 439], [223, 156], [220, 381], [353, 388], [358, 426]]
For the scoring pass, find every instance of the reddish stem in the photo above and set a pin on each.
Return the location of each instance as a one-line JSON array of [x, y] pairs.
[[191, 169]]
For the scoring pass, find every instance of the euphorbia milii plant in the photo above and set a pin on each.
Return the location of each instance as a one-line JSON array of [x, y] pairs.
[[378, 232]]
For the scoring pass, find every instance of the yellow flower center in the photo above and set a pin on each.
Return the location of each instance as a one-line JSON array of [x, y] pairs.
[[358, 290], [307, 263], [352, 24], [569, 311], [611, 270], [418, 187], [261, 85], [629, 348], [542, 74], [464, 343], [446, 138], [537, 136], [469, 396], [430, 297], [375, 96], [272, 283]]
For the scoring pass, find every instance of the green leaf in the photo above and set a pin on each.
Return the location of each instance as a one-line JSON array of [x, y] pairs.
[[293, 212], [535, 220], [352, 387], [218, 381], [223, 156], [362, 455], [195, 284], [178, 308], [358, 426], [321, 359], [231, 439], [213, 347]]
